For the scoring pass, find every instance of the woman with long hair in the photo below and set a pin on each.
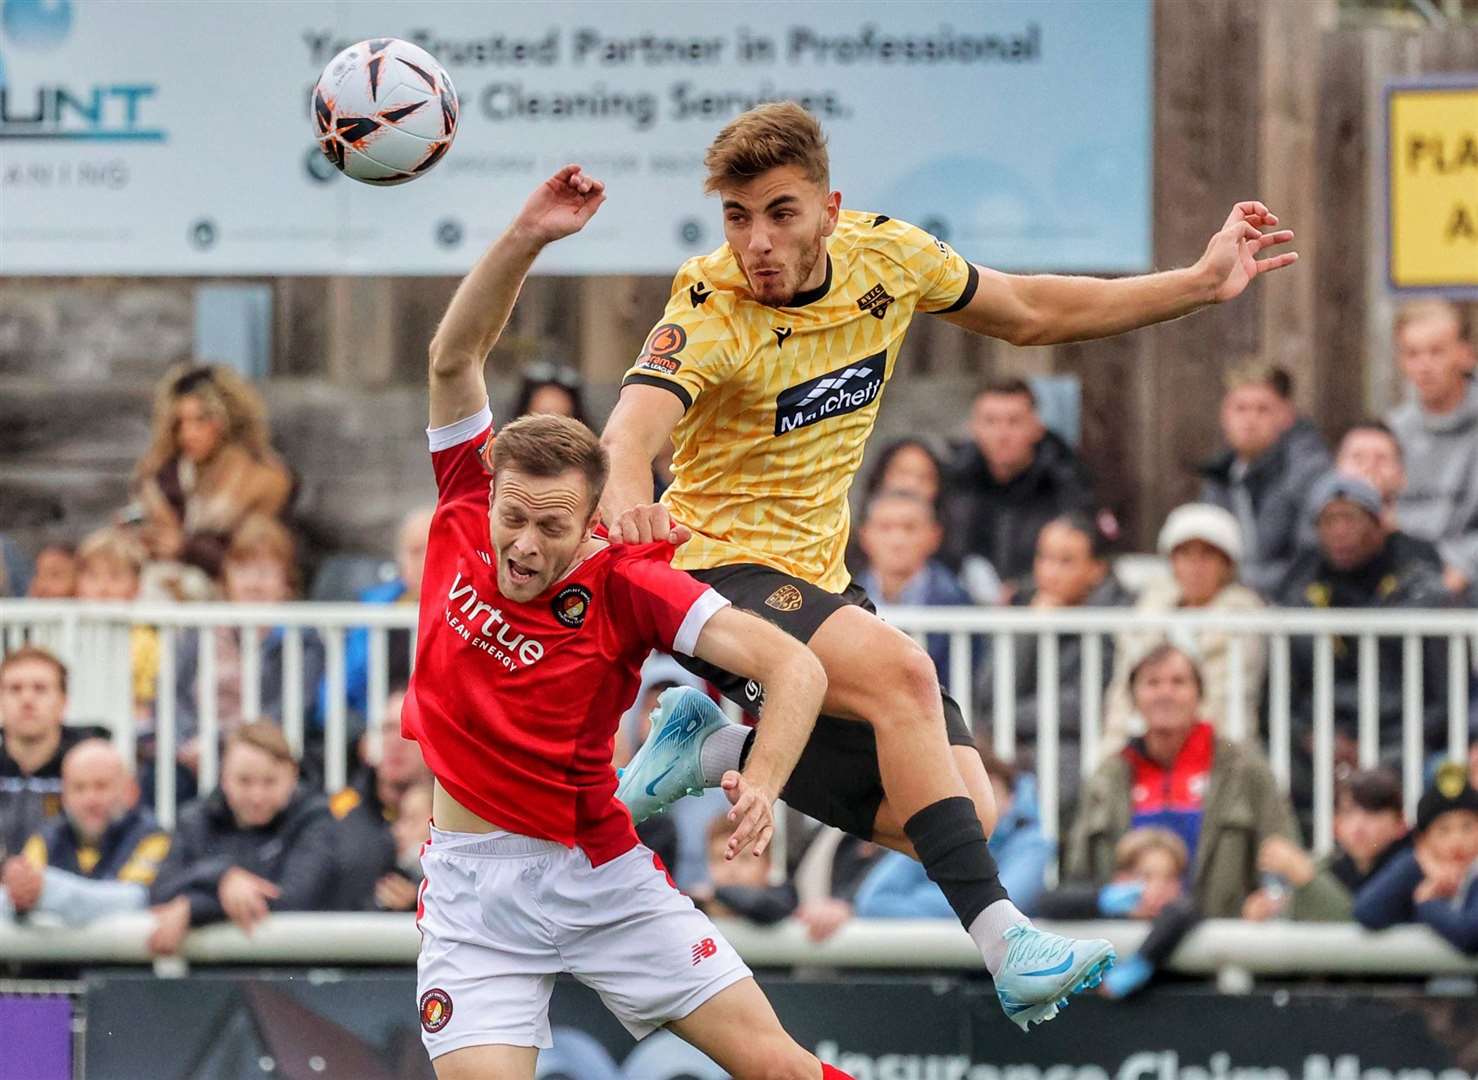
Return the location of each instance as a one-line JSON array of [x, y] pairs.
[[208, 468]]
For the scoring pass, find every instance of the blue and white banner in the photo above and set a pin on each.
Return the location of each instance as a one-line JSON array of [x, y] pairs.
[[152, 137]]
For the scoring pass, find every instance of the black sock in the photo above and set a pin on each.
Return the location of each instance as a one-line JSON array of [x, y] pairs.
[[748, 746], [951, 846]]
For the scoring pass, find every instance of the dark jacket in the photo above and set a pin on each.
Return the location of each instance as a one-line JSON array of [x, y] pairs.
[[999, 521], [1330, 895], [28, 799], [1386, 901], [295, 851], [131, 849], [1278, 483], [365, 845], [1241, 809], [1396, 578], [270, 689]]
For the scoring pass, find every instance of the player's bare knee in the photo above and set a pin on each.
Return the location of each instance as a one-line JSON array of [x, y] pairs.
[[783, 1062], [909, 689]]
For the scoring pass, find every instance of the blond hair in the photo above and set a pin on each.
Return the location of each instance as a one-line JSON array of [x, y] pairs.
[[1135, 843], [260, 536], [1274, 377], [764, 138], [265, 736], [226, 397], [113, 546], [1429, 310]]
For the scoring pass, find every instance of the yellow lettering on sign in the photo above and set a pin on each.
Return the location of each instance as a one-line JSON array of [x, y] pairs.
[[1433, 173]]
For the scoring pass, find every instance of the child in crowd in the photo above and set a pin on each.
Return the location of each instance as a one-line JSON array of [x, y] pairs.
[[110, 563]]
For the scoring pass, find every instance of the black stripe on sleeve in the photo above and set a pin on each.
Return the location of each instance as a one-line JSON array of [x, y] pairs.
[[652, 380], [971, 284]]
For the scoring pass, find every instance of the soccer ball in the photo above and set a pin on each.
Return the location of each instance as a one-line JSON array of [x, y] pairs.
[[384, 111]]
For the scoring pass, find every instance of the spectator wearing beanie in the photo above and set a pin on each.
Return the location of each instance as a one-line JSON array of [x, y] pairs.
[[1203, 545], [1435, 883]]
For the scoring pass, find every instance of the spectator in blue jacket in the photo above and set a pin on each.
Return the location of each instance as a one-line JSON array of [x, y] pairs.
[[899, 537], [410, 558], [898, 888], [1435, 883]]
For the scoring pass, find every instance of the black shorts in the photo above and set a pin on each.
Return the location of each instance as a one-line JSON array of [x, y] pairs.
[[837, 779]]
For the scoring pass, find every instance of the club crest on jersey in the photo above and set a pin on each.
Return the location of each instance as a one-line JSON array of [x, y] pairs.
[[785, 598], [571, 605], [875, 300], [660, 351], [436, 1010]]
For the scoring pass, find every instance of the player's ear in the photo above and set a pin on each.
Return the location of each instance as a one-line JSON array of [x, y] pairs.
[[833, 209]]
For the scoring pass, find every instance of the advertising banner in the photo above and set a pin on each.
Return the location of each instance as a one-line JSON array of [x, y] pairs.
[[152, 137], [1432, 184], [903, 1028]]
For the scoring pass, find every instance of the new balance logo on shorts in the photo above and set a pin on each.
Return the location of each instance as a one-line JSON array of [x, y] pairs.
[[836, 393], [703, 950]]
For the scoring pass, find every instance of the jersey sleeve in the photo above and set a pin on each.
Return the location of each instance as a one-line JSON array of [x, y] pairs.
[[693, 347], [456, 455], [663, 608], [945, 280]]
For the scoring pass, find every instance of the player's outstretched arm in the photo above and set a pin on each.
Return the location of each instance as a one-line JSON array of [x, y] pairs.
[[1046, 309], [638, 428], [483, 301], [795, 685]]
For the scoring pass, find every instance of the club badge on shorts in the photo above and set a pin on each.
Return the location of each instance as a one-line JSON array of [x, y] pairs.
[[785, 598], [436, 1010], [571, 604]]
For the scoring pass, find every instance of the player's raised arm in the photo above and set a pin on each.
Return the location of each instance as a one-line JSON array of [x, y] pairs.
[[1046, 309], [483, 301], [795, 685], [638, 428]]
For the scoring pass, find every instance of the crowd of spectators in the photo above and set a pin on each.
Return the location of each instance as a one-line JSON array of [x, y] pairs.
[[1178, 818]]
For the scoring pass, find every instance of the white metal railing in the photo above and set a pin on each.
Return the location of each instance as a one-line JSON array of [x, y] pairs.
[[94, 641], [1215, 947]]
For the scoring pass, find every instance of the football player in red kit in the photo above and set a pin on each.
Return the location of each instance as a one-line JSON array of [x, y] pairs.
[[532, 633]]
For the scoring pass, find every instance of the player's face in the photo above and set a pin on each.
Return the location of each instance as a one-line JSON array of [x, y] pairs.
[[1434, 357], [1373, 456], [1200, 570], [31, 699], [257, 786], [538, 525], [899, 537], [776, 225], [1252, 419], [1364, 834]]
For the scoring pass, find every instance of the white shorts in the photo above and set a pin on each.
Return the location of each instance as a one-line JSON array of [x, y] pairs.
[[501, 915]]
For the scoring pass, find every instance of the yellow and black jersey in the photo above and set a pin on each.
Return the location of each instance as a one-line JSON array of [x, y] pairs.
[[131, 849], [780, 401]]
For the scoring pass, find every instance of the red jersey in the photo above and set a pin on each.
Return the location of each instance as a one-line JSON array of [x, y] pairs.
[[516, 705]]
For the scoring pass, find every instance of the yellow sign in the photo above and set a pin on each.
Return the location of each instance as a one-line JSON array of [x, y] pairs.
[[1432, 135]]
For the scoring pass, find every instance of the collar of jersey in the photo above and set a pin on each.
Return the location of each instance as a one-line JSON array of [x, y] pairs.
[[810, 296]]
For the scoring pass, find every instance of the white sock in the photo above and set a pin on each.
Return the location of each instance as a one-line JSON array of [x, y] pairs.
[[721, 752], [989, 929]]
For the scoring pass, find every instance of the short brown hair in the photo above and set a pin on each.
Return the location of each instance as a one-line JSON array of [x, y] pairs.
[[35, 652], [261, 536], [1429, 310], [1162, 652], [265, 736], [1134, 843], [764, 138], [113, 545], [1008, 386], [547, 446], [1275, 377]]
